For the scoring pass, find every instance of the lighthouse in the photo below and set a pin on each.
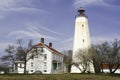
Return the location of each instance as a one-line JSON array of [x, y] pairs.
[[81, 37]]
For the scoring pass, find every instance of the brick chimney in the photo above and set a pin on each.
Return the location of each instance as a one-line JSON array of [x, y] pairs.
[[42, 40], [50, 44]]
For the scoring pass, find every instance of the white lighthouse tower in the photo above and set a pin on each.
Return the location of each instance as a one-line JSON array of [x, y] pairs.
[[81, 37]]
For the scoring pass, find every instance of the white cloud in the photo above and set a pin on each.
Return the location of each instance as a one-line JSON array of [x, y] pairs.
[[6, 4], [69, 40], [65, 44], [23, 6], [101, 39], [25, 34], [26, 10], [82, 3], [36, 31], [38, 27], [49, 30]]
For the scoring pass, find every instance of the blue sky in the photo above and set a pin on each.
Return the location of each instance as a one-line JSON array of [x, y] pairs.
[[54, 20]]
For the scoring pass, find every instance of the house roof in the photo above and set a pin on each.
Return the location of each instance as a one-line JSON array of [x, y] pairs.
[[105, 66], [48, 47]]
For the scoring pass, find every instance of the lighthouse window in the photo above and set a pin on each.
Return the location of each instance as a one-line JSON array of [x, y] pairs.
[[83, 40], [82, 25], [45, 70]]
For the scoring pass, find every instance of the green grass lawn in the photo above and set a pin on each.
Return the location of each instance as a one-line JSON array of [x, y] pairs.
[[61, 77]]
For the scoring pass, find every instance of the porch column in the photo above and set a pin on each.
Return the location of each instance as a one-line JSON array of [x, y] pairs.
[[57, 65]]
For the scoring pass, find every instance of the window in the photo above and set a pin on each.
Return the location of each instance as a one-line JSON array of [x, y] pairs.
[[82, 25], [53, 56], [16, 66], [45, 64], [54, 66], [31, 64], [83, 40], [41, 49], [20, 65], [45, 70], [32, 56], [45, 56], [31, 70]]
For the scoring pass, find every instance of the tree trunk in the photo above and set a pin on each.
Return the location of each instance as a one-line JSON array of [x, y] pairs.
[[102, 67], [25, 67], [69, 68], [96, 66], [115, 68]]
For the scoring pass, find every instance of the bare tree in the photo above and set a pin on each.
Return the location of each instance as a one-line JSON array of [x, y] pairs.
[[97, 57], [17, 53], [108, 53], [68, 60], [4, 67], [83, 60], [113, 56]]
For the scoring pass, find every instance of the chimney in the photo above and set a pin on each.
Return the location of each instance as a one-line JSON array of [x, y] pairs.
[[50, 44], [42, 40]]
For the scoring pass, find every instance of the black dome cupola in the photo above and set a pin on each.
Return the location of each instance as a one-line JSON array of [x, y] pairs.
[[81, 12]]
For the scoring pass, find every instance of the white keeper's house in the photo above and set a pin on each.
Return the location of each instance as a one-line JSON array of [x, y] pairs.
[[42, 58]]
